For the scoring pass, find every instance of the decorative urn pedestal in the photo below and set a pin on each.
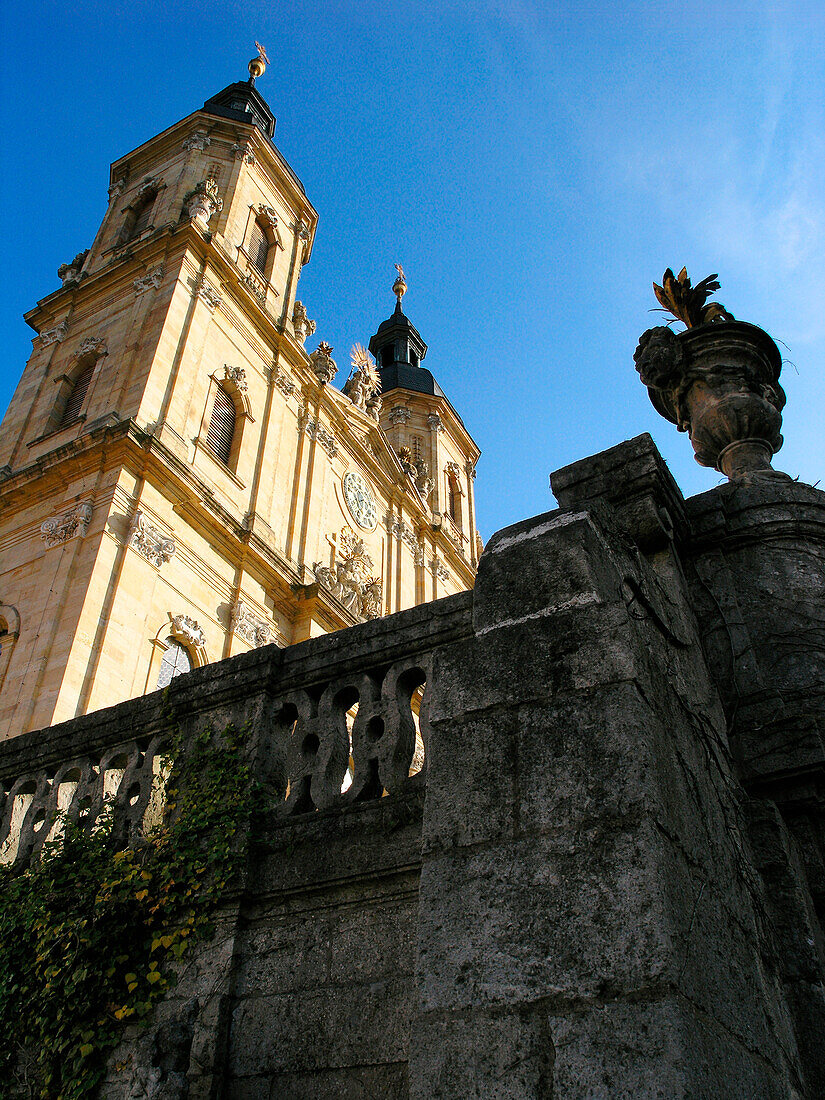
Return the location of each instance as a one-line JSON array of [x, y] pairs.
[[719, 382]]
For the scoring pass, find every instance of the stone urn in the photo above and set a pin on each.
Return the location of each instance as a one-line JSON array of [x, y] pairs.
[[719, 382], [203, 201]]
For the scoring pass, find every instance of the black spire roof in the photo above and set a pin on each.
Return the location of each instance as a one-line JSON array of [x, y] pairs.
[[243, 103]]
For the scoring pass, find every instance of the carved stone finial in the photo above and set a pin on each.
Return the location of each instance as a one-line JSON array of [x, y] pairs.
[[257, 66], [203, 201], [686, 302], [323, 364], [720, 383], [302, 326], [399, 287]]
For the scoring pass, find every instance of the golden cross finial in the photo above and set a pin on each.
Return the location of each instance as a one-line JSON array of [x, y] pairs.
[[262, 53]]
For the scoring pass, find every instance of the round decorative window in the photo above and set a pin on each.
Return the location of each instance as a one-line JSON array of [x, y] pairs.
[[360, 500]]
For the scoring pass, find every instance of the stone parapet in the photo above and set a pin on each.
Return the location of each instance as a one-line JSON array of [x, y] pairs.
[[546, 838]]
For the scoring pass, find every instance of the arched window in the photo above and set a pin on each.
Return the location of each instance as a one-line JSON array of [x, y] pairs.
[[77, 394], [259, 248], [221, 426], [9, 633], [138, 216], [143, 215], [175, 662], [453, 498]]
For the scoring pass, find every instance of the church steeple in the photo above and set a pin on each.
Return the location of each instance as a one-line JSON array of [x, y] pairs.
[[398, 349], [242, 101]]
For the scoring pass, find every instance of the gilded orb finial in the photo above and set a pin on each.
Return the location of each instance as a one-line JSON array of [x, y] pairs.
[[257, 66], [400, 285]]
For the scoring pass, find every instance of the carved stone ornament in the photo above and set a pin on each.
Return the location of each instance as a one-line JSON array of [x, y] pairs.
[[301, 324], [399, 414], [197, 140], [92, 345], [188, 630], [350, 578], [317, 432], [150, 281], [203, 201], [208, 294], [150, 186], [423, 482], [54, 335], [323, 364], [454, 470], [236, 375], [401, 530], [283, 381], [439, 570], [268, 214], [70, 273], [117, 188], [242, 150], [719, 382], [434, 423], [149, 541], [59, 529], [254, 282], [254, 630]]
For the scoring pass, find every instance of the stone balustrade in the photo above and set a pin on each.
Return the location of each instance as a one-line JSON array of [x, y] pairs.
[[334, 725]]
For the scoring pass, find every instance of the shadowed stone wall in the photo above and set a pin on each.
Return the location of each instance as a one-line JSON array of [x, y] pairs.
[[607, 879]]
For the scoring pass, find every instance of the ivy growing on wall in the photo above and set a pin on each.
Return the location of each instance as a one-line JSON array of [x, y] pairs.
[[91, 933]]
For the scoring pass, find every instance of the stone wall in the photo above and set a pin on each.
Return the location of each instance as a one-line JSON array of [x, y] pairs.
[[605, 881]]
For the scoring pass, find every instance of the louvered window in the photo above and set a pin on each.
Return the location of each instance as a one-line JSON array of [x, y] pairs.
[[221, 426], [258, 247], [454, 499], [143, 216], [176, 661], [416, 447], [74, 402]]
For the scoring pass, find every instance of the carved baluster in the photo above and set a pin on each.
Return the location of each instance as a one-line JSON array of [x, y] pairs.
[[367, 732], [72, 787], [298, 718], [397, 746], [24, 818], [124, 785]]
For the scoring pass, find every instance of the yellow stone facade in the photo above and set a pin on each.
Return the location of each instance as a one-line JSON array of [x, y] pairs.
[[122, 535]]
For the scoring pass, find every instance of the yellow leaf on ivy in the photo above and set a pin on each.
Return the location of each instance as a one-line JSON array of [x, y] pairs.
[[153, 976], [86, 1050]]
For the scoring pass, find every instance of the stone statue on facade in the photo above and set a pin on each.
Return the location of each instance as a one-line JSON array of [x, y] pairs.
[[70, 273], [718, 380], [364, 382], [350, 578]]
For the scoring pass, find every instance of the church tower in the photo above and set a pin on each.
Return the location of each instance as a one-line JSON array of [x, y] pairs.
[[179, 479]]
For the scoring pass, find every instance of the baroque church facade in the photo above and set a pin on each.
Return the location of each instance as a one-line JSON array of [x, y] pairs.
[[180, 481]]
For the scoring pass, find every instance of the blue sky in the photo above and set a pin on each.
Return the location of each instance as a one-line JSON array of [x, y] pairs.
[[534, 167]]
